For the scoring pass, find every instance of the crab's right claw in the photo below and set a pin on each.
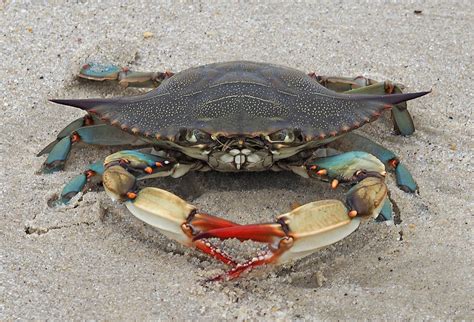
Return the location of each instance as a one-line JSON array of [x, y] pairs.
[[171, 215], [177, 219], [296, 234]]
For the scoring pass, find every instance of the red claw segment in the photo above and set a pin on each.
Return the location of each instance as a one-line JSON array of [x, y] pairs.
[[205, 222], [273, 234], [211, 250], [239, 269], [264, 233]]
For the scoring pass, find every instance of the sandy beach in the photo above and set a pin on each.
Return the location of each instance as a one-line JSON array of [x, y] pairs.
[[93, 260]]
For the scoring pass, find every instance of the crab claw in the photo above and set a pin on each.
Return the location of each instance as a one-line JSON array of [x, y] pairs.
[[296, 234], [177, 219], [367, 198], [171, 215]]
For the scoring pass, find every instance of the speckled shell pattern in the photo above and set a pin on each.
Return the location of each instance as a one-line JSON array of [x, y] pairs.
[[237, 99]]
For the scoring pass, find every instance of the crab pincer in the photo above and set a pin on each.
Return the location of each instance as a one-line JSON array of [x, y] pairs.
[[294, 235], [171, 215], [305, 229]]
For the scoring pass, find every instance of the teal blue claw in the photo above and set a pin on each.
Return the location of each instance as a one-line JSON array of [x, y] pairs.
[[404, 179], [78, 184]]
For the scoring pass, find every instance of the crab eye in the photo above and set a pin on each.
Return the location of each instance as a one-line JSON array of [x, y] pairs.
[[194, 136], [285, 136]]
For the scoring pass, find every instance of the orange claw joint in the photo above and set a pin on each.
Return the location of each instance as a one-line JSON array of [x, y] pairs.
[[296, 234]]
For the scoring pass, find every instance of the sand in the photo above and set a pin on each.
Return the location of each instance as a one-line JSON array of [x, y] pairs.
[[94, 260]]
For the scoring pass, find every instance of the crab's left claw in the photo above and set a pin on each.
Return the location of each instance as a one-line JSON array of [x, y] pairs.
[[296, 234]]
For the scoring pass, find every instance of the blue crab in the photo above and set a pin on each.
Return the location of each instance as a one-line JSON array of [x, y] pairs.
[[240, 116]]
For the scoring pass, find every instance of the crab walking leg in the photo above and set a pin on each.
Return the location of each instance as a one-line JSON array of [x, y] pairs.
[[402, 120], [172, 216], [79, 183], [70, 128], [100, 134], [353, 141], [124, 76]]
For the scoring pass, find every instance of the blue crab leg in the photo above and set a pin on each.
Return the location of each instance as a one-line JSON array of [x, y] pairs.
[[402, 120], [100, 134], [353, 141], [70, 128], [79, 183], [124, 76], [386, 213], [172, 216]]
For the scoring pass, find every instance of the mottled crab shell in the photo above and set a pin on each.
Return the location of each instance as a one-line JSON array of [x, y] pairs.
[[240, 99]]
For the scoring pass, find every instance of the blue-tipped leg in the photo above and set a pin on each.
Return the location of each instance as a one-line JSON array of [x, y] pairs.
[[100, 134], [386, 213], [404, 179], [124, 76], [96, 71], [402, 121], [73, 126], [58, 155], [78, 184]]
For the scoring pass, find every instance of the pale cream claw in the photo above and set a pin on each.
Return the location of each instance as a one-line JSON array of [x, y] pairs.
[[164, 211], [367, 197], [118, 182], [316, 225]]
